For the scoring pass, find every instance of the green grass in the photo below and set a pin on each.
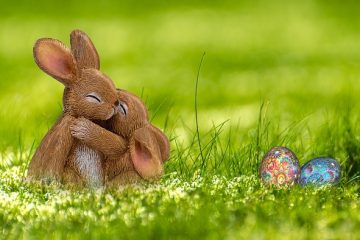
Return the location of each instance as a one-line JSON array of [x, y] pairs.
[[275, 73]]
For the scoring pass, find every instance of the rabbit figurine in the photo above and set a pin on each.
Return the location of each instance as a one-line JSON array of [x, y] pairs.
[[88, 93], [142, 154]]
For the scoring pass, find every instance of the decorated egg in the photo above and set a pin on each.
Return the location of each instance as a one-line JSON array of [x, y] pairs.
[[280, 167], [320, 171]]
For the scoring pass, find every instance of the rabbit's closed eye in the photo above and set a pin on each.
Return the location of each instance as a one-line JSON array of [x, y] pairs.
[[123, 108], [93, 97]]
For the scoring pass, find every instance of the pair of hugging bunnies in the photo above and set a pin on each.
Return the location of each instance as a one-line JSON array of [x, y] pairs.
[[103, 136]]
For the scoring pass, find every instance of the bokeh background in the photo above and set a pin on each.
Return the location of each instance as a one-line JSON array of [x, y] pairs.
[[301, 59], [276, 72]]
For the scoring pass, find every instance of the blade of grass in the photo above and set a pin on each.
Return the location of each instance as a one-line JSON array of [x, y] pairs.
[[196, 111]]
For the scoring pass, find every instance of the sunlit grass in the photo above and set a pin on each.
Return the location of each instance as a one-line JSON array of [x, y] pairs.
[[275, 73], [186, 208]]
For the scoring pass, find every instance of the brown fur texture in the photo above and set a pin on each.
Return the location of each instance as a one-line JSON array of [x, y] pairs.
[[141, 147], [88, 93]]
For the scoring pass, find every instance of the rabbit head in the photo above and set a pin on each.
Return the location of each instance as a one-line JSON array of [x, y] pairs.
[[88, 92], [148, 146]]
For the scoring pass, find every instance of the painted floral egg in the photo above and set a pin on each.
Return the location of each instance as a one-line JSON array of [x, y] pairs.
[[320, 171], [280, 167]]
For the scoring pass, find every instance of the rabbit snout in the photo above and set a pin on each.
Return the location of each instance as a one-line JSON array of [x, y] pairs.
[[117, 108], [112, 113]]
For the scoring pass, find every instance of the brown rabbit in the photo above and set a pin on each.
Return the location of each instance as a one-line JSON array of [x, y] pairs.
[[88, 93], [142, 154]]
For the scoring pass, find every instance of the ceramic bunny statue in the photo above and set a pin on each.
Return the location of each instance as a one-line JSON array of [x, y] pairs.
[[140, 156], [88, 93]]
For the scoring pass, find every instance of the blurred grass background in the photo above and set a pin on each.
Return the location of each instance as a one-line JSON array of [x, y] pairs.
[[301, 57], [275, 73]]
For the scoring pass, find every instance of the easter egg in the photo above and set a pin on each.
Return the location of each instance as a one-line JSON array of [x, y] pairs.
[[279, 167], [320, 171]]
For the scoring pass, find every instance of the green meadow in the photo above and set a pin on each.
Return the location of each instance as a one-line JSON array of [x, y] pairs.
[[274, 73]]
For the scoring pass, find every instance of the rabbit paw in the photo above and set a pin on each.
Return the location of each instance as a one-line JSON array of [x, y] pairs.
[[80, 128]]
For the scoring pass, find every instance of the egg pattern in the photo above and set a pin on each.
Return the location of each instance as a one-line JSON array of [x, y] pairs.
[[279, 167], [320, 171]]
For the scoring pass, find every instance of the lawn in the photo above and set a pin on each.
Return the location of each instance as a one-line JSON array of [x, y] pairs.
[[274, 73]]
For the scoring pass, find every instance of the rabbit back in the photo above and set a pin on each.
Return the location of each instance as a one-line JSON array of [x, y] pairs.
[[50, 157]]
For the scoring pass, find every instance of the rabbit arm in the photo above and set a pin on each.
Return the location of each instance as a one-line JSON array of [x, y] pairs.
[[110, 144], [50, 157]]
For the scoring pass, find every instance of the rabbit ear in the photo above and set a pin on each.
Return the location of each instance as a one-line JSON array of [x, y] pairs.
[[84, 51], [163, 142], [145, 153], [55, 59]]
